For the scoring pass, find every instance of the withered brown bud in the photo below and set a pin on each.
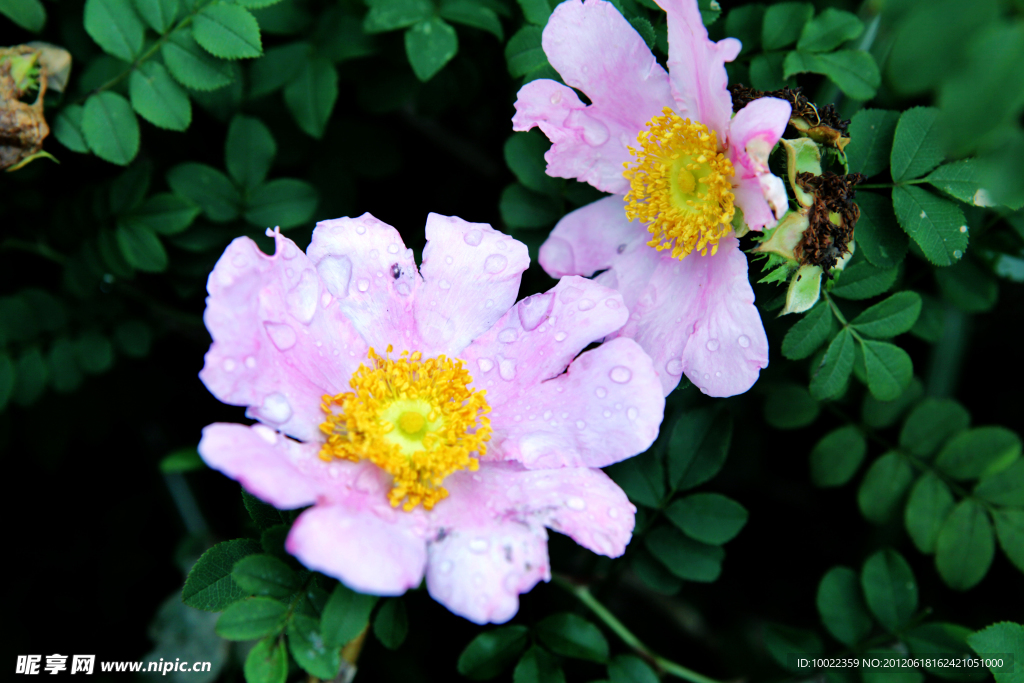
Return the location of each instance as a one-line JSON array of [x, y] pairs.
[[821, 124], [22, 126], [827, 240]]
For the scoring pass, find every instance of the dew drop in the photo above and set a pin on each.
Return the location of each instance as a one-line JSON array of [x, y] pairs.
[[393, 248], [712, 344], [963, 228], [360, 229], [612, 303], [601, 392], [265, 433], [240, 260], [547, 415], [534, 310], [506, 369], [575, 503], [495, 263], [250, 362], [957, 253], [707, 376], [613, 513], [473, 237], [556, 97], [446, 567], [570, 294], [449, 260], [586, 304], [363, 285], [229, 365], [632, 413], [718, 374], [335, 271], [620, 374], [485, 364], [743, 341], [607, 414], [282, 336], [444, 284], [489, 303], [276, 408], [580, 424], [479, 545], [674, 366], [301, 300], [507, 335], [561, 336], [402, 288]]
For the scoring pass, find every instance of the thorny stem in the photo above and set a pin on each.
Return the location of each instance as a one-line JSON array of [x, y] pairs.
[[584, 595]]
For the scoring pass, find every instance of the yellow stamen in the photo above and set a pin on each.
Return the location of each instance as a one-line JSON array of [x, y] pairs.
[[415, 419], [681, 186]]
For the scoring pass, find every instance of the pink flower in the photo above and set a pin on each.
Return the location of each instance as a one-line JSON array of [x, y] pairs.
[[448, 461], [689, 163]]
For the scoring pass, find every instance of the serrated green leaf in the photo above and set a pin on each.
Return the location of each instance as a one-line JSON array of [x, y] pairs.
[[890, 317], [643, 26], [536, 11], [159, 14], [257, 4], [209, 585], [809, 333], [783, 24], [227, 31], [389, 15], [284, 202], [28, 14], [1005, 487], [68, 128], [264, 575], [861, 280], [249, 151], [931, 423], [571, 635], [284, 18], [766, 70], [653, 573], [130, 188], [523, 208], [537, 666], [251, 618], [492, 652], [889, 369], [968, 286], [524, 53], [972, 453], [928, 506], [346, 615], [263, 515], [883, 487], [686, 558], [948, 640], [164, 213], [890, 590], [698, 447], [841, 606], [110, 128], [141, 248], [854, 71], [782, 642], [878, 234], [208, 188], [837, 457], [192, 66], [871, 135], [935, 224], [1010, 529], [790, 406], [1003, 637], [115, 27], [277, 68], [524, 154], [630, 669], [309, 650], [916, 147], [429, 45], [829, 30], [961, 180], [473, 14], [267, 662], [836, 365], [965, 546], [708, 517], [311, 96], [391, 624], [158, 99], [744, 23]]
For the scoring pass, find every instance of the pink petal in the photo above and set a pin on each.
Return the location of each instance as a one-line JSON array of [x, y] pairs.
[[606, 408], [696, 66], [595, 50], [753, 133], [591, 238], [285, 473], [372, 277], [276, 347], [471, 274], [536, 338], [750, 198], [367, 552], [698, 317]]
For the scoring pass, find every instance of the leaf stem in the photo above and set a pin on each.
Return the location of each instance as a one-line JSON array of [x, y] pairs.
[[882, 186], [584, 595]]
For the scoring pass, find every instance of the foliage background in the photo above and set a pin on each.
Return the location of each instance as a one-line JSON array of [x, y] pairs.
[[105, 258]]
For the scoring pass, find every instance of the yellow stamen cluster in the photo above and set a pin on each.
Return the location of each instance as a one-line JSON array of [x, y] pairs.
[[415, 419], [681, 186]]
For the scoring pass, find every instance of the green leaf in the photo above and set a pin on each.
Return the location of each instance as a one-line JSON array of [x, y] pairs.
[[686, 558], [524, 53], [251, 618], [871, 135], [928, 506], [284, 18], [311, 96], [783, 24], [948, 640], [158, 99], [889, 589], [159, 14], [115, 27], [1010, 529], [263, 515], [267, 662], [965, 546], [227, 31], [571, 635], [193, 67], [537, 666], [284, 202], [1005, 487], [388, 15], [68, 128], [8, 377], [708, 517], [165, 213], [182, 460], [630, 669], [524, 154], [429, 45], [536, 11], [209, 585], [28, 14], [936, 224], [766, 70], [931, 423], [841, 606], [836, 365], [470, 13], [653, 573], [645, 29], [523, 208], [264, 575], [110, 128], [130, 188], [95, 353], [978, 451], [64, 373], [809, 333], [837, 457], [141, 248], [790, 406], [207, 187], [492, 652], [968, 287], [277, 68], [854, 71], [346, 615], [1001, 638], [878, 234], [30, 376], [642, 479], [133, 338], [391, 624], [698, 447], [889, 369], [309, 649], [861, 280], [961, 180], [878, 414], [891, 317], [249, 151], [783, 642], [916, 147], [257, 4], [829, 30], [744, 23], [883, 487]]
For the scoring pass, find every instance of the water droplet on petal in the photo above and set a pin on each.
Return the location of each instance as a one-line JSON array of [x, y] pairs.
[[449, 260], [620, 374], [556, 97], [266, 433], [712, 344], [446, 567], [506, 369], [586, 304], [301, 300], [507, 335], [612, 303], [674, 366], [570, 294], [601, 392], [613, 513], [229, 365], [561, 336], [718, 374], [485, 364], [547, 415], [533, 310], [240, 259], [250, 362], [607, 414], [473, 237], [495, 263], [444, 284], [632, 413], [335, 271], [360, 229], [707, 376], [402, 288], [580, 424], [393, 248], [479, 545], [743, 341], [281, 335], [489, 303], [575, 503], [363, 285], [276, 408]]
